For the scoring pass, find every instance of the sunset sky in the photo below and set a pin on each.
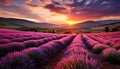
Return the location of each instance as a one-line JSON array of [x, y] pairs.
[[60, 11]]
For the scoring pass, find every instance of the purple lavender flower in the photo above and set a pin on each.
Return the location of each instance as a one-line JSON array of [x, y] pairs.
[[118, 51], [10, 47], [16, 60], [37, 55], [77, 62], [111, 55], [117, 46], [31, 43], [4, 41], [18, 39], [98, 48]]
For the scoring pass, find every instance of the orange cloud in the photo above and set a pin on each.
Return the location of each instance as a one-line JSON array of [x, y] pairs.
[[33, 6], [53, 8], [40, 0], [6, 2], [28, 1]]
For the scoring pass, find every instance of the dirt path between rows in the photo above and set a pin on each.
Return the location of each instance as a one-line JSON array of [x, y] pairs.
[[53, 61]]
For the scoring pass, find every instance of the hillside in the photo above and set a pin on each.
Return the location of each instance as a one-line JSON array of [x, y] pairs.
[[90, 24], [27, 23]]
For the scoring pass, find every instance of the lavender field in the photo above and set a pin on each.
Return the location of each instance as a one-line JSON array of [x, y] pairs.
[[35, 50]]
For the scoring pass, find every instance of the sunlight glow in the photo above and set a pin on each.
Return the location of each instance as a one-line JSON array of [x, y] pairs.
[[71, 22]]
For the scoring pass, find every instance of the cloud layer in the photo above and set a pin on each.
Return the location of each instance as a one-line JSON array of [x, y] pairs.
[[77, 10], [86, 9], [6, 2]]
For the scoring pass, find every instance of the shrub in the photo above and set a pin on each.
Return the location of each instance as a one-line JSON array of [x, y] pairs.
[[16, 60], [107, 42], [46, 39], [37, 56], [18, 39], [92, 43], [79, 45], [117, 46], [31, 43], [99, 48], [111, 55], [41, 41], [56, 44], [15, 46], [4, 41], [52, 48], [77, 62], [10, 47], [49, 50], [66, 40], [76, 50], [119, 51]]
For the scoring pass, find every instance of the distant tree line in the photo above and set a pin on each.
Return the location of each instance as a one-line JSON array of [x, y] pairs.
[[107, 29]]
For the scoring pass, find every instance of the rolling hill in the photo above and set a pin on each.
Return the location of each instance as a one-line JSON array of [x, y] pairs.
[[89, 24], [27, 23]]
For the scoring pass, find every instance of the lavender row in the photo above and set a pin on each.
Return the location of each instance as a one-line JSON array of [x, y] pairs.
[[31, 58], [107, 42], [95, 46], [108, 35], [113, 37], [19, 34], [23, 36], [106, 52], [18, 46], [5, 41], [77, 57]]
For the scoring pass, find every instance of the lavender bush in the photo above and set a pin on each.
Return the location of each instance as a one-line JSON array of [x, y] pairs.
[[31, 43], [117, 46], [16, 60], [77, 62], [118, 51], [111, 55], [10, 47], [99, 48], [4, 41], [38, 57]]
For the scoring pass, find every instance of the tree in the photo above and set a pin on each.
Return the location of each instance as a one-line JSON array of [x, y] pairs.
[[106, 29]]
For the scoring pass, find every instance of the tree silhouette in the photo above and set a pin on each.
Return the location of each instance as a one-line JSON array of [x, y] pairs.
[[106, 29]]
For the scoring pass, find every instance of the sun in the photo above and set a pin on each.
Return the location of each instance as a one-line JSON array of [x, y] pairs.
[[70, 22]]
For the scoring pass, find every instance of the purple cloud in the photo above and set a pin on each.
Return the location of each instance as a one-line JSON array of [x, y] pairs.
[[6, 2], [81, 9]]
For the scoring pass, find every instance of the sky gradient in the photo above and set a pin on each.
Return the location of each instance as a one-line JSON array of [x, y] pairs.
[[60, 11]]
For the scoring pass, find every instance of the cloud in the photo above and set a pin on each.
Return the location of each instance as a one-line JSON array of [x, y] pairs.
[[40, 0], [21, 11], [34, 6], [85, 9], [6, 2], [28, 1], [53, 8], [95, 9], [74, 9]]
